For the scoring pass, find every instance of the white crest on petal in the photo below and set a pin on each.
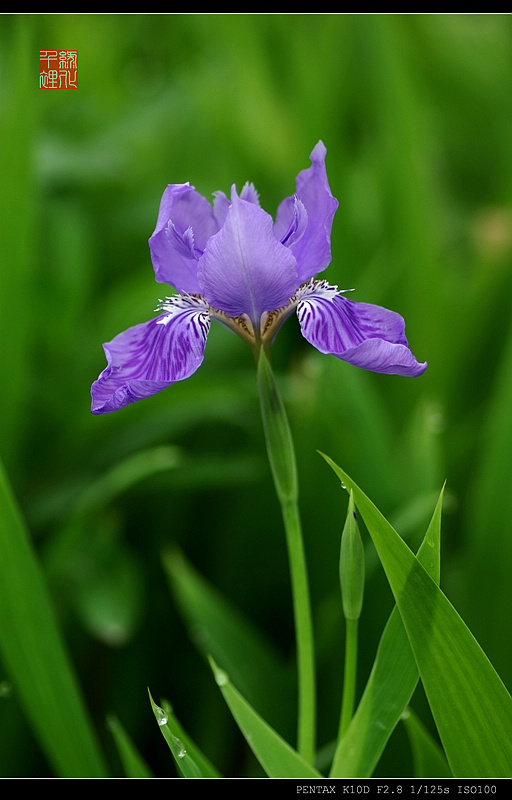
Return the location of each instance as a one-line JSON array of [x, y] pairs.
[[178, 303], [319, 289]]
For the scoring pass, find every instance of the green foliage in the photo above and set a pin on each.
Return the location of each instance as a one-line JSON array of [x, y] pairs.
[[190, 761], [391, 683], [221, 633], [416, 114], [471, 706], [35, 656], [429, 760], [133, 764], [277, 758]]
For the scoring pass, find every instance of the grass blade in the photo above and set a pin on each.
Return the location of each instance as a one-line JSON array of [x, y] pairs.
[[275, 755], [233, 642], [190, 761], [35, 655], [391, 683], [133, 764], [470, 705], [429, 759]]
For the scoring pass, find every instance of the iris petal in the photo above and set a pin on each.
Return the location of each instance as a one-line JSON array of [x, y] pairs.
[[378, 355], [222, 204], [312, 250], [184, 217], [298, 224], [244, 268], [149, 357], [365, 335], [231, 262]]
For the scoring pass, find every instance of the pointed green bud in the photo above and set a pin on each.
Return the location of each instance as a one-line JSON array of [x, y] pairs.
[[351, 565]]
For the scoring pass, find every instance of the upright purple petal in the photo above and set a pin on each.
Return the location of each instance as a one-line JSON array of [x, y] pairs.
[[244, 269], [221, 206], [185, 223], [365, 335], [249, 193], [149, 357], [222, 203], [298, 224], [313, 249]]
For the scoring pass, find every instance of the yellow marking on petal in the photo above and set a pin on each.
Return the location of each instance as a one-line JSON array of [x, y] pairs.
[[271, 321], [241, 325]]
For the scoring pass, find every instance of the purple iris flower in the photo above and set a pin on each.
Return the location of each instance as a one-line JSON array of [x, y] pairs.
[[231, 262]]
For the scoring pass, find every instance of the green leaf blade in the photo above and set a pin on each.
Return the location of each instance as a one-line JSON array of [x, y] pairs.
[[276, 756], [429, 760], [221, 631], [35, 655], [190, 761], [469, 702], [133, 764], [391, 683]]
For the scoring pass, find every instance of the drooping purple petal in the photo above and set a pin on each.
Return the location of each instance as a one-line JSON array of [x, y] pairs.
[[185, 223], [365, 335], [149, 357], [244, 268], [313, 249]]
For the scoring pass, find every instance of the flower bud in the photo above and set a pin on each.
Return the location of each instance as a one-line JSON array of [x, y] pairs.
[[351, 565]]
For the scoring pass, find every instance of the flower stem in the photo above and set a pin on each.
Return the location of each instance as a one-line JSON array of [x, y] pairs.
[[349, 677], [282, 462]]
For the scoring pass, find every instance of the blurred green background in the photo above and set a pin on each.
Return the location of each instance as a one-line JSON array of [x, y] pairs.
[[416, 115]]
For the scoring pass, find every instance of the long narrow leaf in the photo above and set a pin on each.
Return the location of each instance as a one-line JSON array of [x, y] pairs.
[[35, 656], [470, 705], [391, 683], [190, 761], [235, 644], [275, 755], [429, 760], [133, 764]]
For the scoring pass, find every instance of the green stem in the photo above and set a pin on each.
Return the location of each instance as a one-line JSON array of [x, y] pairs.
[[304, 633], [349, 678], [282, 461]]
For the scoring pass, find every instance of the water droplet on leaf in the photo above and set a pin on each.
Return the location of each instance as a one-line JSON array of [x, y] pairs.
[[5, 689], [161, 716], [221, 678]]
